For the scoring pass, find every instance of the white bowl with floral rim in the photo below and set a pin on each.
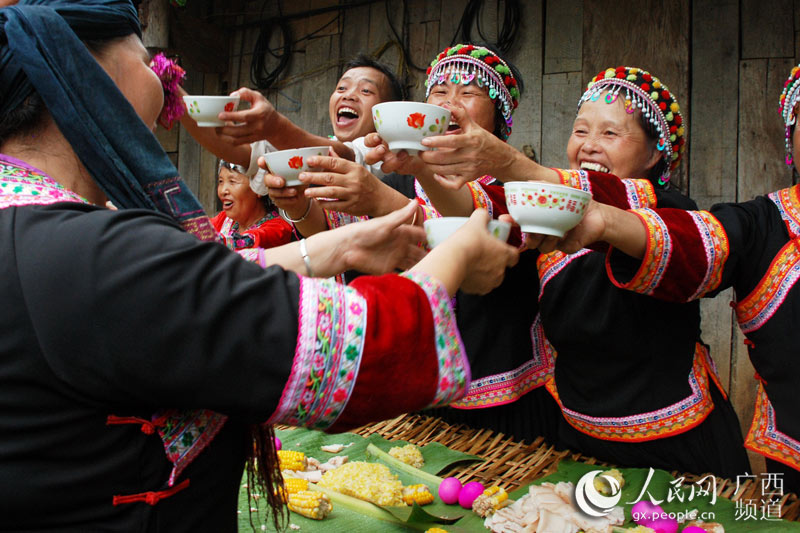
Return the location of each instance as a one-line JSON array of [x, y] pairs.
[[545, 208], [439, 229], [288, 164], [204, 109], [404, 124]]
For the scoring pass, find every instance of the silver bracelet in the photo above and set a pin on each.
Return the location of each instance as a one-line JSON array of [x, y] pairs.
[[306, 260], [285, 216]]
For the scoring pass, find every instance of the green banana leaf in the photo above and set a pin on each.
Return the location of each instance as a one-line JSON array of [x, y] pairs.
[[439, 457], [413, 518]]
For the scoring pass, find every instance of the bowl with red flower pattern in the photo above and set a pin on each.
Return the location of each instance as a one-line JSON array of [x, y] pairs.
[[545, 208], [204, 109], [288, 164], [404, 124]]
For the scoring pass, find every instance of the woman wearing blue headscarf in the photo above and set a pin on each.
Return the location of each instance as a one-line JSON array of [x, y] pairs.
[[139, 363]]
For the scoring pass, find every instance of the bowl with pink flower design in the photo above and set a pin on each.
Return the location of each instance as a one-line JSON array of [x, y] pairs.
[[288, 164], [204, 109], [404, 124], [545, 208]]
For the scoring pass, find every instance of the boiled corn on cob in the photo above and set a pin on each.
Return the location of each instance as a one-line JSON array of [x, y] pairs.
[[435, 530], [292, 460], [293, 485], [490, 501], [409, 454], [372, 482], [419, 494], [311, 504]]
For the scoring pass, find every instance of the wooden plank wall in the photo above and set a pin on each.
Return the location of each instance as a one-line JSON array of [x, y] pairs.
[[724, 59]]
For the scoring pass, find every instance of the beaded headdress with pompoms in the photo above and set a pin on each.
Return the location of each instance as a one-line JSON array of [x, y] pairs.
[[644, 92], [463, 63], [789, 98]]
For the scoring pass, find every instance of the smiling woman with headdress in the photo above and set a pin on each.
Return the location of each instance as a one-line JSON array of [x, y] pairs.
[[139, 363]]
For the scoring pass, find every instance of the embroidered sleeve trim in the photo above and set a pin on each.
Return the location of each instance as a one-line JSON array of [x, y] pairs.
[[755, 309], [788, 203], [765, 438], [656, 256], [640, 193], [337, 219], [480, 200], [666, 422], [717, 248], [330, 344], [577, 179], [454, 371], [254, 255], [508, 387]]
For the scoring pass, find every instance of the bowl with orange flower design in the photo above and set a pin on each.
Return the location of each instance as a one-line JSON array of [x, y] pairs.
[[204, 109], [545, 208], [288, 164], [404, 124]]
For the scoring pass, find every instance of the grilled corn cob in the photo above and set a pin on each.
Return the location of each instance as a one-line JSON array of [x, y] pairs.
[[409, 454], [311, 504], [419, 494], [490, 501], [372, 482], [292, 460]]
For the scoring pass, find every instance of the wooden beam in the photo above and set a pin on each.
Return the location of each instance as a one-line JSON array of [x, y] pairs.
[[527, 57], [563, 39], [767, 28], [640, 33], [560, 94]]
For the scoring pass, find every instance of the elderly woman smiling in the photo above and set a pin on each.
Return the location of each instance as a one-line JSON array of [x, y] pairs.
[[634, 380], [247, 219]]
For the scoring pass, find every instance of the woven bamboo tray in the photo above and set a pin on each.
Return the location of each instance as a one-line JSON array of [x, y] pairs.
[[512, 464]]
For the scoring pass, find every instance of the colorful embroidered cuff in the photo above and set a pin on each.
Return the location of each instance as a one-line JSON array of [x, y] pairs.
[[577, 179], [656, 256], [715, 244], [330, 342], [480, 200], [640, 193], [337, 219], [254, 255], [454, 371]]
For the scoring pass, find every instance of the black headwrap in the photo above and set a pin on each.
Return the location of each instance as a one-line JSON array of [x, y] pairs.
[[41, 51]]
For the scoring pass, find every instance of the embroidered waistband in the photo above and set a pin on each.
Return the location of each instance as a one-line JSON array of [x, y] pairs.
[[669, 421], [764, 436], [510, 386]]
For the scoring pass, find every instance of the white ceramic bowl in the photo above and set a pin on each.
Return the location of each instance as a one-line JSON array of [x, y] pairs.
[[204, 109], [439, 229], [545, 208], [404, 124], [288, 164]]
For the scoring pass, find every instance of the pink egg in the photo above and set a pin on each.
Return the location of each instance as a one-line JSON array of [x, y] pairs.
[[694, 529], [449, 489], [471, 490], [664, 525], [278, 444]]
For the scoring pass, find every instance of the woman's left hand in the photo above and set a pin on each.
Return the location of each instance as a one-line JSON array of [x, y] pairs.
[[466, 156]]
